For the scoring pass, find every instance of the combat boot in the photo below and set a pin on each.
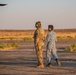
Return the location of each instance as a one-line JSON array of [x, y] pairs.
[[40, 66], [58, 62], [49, 65]]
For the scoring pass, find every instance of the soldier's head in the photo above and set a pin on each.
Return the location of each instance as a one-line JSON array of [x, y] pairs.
[[38, 24], [50, 27]]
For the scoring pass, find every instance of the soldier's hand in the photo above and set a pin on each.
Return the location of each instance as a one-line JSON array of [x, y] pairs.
[[35, 44]]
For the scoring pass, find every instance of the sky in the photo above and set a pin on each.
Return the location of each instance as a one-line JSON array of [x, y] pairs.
[[23, 14]]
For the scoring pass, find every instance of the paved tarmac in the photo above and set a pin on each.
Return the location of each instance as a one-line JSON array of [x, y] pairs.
[[23, 61]]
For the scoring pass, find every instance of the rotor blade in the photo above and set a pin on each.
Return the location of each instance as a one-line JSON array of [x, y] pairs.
[[3, 4]]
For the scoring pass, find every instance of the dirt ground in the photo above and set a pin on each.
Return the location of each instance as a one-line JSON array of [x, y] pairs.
[[23, 61]]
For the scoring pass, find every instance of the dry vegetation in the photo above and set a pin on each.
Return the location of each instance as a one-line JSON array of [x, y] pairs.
[[66, 34], [28, 34], [4, 47], [71, 48], [16, 34]]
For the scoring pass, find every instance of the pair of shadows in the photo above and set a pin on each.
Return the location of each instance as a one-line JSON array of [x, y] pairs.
[[33, 63]]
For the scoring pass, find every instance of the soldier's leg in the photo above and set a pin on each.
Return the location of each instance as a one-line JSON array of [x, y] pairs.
[[54, 53], [37, 53], [40, 56]]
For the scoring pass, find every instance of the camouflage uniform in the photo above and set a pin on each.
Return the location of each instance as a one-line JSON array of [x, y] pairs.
[[38, 40]]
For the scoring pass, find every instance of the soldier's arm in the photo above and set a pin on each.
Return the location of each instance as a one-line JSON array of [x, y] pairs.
[[40, 35], [37, 37], [48, 37], [34, 35]]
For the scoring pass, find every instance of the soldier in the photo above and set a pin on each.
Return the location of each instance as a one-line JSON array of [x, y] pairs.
[[51, 46], [39, 44]]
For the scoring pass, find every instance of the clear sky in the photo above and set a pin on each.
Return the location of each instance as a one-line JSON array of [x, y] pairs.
[[22, 14]]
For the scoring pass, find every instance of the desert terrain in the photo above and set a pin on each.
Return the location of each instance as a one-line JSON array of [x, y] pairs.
[[24, 34], [23, 61]]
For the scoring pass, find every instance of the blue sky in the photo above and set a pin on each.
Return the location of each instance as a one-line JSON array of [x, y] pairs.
[[22, 14]]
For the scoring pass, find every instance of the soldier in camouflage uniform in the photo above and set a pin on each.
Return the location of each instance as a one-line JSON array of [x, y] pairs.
[[39, 44], [51, 46]]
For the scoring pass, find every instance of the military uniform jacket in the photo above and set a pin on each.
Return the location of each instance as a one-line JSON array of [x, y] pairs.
[[39, 35]]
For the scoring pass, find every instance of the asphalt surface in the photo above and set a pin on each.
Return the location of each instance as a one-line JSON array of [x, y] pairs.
[[23, 61]]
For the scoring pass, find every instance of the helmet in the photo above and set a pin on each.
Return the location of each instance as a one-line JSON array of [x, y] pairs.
[[50, 27], [38, 24]]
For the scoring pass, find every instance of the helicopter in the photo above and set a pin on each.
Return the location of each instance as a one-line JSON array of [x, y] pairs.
[[3, 4]]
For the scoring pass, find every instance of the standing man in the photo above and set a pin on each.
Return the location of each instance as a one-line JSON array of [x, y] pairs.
[[51, 46], [39, 44]]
